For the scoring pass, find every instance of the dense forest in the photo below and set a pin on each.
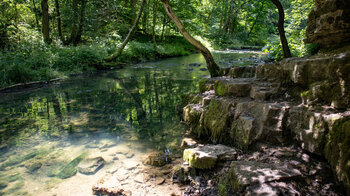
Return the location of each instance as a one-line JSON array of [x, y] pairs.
[[41, 40]]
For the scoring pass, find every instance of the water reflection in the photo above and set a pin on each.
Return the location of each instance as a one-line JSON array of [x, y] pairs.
[[135, 105]]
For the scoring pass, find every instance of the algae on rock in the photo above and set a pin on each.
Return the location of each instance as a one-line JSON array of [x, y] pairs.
[[71, 168]]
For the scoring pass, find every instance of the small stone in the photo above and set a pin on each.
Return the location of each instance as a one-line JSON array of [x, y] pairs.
[[160, 180], [139, 178], [157, 159], [188, 143], [33, 166], [90, 166]]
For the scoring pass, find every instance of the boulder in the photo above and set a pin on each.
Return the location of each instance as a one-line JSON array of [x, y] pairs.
[[206, 156], [91, 165]]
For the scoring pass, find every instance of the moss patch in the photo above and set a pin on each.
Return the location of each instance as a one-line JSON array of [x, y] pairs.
[[196, 160], [337, 150], [216, 120]]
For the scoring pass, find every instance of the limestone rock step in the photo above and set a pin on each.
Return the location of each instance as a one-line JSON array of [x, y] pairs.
[[263, 90], [239, 87], [242, 72], [253, 172], [242, 87]]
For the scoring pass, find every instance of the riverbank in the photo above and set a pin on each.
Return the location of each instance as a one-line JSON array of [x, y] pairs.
[[41, 63]]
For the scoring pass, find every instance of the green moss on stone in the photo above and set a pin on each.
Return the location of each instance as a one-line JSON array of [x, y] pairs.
[[13, 177], [196, 161], [337, 150], [33, 166], [216, 119], [71, 168], [220, 88]]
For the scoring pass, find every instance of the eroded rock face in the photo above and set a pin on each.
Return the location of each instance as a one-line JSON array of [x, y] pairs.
[[329, 23], [337, 150]]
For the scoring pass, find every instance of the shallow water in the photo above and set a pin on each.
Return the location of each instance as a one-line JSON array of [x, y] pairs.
[[119, 115]]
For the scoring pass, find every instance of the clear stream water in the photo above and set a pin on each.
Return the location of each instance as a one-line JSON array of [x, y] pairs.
[[124, 113]]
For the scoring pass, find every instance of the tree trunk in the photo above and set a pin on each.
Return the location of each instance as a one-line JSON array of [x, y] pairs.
[[74, 32], [81, 23], [286, 51], [155, 10], [131, 32], [213, 68], [145, 17], [59, 23], [36, 15], [45, 21]]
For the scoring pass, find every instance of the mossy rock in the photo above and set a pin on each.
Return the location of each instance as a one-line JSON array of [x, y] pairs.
[[70, 169], [198, 159], [157, 159], [3, 184], [12, 177], [13, 161], [33, 166], [337, 150]]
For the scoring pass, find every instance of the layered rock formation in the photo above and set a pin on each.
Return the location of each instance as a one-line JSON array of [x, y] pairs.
[[329, 23], [299, 100]]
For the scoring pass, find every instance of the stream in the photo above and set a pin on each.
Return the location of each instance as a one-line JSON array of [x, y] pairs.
[[119, 115]]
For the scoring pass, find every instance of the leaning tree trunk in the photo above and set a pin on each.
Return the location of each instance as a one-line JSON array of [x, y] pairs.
[[285, 47], [45, 21], [213, 68], [131, 32]]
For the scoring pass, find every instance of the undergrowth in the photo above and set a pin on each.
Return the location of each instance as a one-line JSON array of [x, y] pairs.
[[33, 60]]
